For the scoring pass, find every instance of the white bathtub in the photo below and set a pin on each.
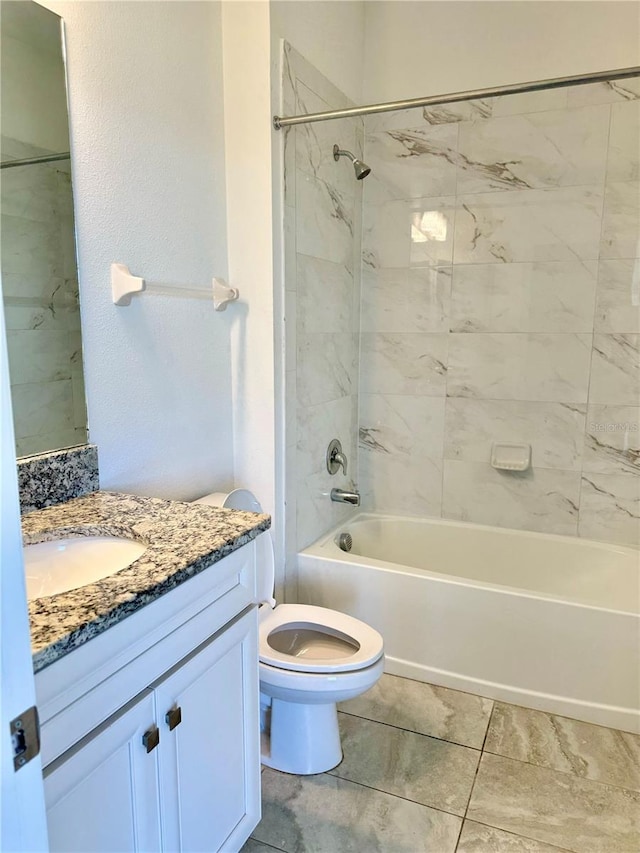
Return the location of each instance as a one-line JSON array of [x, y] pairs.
[[549, 622]]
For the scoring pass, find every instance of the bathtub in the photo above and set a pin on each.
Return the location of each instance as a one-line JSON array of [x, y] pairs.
[[548, 622]]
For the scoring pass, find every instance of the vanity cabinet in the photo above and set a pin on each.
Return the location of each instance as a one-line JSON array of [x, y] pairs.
[[177, 767], [105, 794]]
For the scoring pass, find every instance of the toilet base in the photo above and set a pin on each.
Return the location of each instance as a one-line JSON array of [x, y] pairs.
[[301, 739]]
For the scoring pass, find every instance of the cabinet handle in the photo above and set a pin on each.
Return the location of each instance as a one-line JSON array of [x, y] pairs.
[[173, 718], [151, 738]]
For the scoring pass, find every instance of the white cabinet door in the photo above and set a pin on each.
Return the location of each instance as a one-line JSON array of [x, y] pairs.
[[210, 761], [103, 795]]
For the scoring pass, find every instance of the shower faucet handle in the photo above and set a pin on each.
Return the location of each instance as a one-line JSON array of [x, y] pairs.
[[336, 459]]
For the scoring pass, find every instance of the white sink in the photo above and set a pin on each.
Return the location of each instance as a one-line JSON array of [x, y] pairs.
[[63, 564]]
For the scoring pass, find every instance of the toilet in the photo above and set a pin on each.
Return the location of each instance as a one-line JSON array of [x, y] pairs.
[[310, 659]]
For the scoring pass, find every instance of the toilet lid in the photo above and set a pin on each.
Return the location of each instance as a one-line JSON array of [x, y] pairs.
[[306, 638], [246, 501]]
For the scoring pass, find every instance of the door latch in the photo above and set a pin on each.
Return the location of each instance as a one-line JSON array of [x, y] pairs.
[[25, 737]]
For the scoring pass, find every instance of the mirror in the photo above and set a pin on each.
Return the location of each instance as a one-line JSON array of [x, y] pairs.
[[37, 239]]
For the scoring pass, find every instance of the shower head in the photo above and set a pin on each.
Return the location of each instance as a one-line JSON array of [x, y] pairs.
[[361, 169]]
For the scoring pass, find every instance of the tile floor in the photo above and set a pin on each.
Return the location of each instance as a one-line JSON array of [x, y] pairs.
[[431, 769]]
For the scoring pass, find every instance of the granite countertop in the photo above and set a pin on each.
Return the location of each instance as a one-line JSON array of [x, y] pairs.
[[182, 540]]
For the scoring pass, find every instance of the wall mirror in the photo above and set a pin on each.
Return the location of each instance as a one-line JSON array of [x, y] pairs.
[[37, 239]]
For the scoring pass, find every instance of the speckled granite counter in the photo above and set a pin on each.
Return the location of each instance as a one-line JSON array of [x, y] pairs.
[[182, 539]]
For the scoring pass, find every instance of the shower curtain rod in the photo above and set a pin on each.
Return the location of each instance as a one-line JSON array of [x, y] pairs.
[[32, 161], [471, 95]]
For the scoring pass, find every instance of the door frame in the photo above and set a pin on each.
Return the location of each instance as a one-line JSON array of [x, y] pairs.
[[23, 825]]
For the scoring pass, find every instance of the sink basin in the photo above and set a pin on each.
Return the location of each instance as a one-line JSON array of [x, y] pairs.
[[63, 564]]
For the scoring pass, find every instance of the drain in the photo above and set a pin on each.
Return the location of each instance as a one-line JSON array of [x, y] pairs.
[[345, 541]]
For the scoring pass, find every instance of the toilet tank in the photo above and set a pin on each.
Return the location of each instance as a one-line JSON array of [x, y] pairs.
[[243, 499]]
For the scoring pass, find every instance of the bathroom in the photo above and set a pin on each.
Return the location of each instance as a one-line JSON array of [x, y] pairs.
[[182, 400]]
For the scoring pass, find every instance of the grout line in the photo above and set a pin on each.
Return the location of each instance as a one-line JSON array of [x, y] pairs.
[[265, 844], [562, 772], [475, 777], [518, 835], [411, 731], [390, 794]]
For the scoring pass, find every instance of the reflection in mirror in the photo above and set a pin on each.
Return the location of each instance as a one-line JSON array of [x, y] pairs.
[[38, 258]]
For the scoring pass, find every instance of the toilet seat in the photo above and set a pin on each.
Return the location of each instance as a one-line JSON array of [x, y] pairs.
[[341, 644]]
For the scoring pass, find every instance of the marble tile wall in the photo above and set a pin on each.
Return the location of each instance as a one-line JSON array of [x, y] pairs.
[[322, 226], [501, 302], [40, 291]]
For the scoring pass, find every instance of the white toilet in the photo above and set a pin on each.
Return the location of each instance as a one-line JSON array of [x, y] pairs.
[[310, 659]]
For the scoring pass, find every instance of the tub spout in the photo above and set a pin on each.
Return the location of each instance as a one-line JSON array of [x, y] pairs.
[[342, 497]]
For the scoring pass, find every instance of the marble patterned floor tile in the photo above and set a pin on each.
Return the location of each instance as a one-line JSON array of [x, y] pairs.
[[477, 838], [615, 369], [555, 808], [610, 508], [612, 440], [424, 708], [543, 149], [555, 431], [318, 814], [526, 297], [540, 499], [621, 220], [559, 743], [253, 846], [549, 368], [560, 224], [618, 296], [414, 163], [406, 300], [413, 766], [623, 161], [398, 363]]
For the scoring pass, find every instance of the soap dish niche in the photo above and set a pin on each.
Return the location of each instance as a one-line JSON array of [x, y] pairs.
[[511, 457]]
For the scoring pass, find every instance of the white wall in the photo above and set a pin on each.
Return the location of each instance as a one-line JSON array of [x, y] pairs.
[[33, 73], [147, 137], [429, 48], [248, 132], [329, 34]]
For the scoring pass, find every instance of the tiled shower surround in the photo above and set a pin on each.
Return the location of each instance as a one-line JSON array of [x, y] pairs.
[[501, 303], [40, 291], [322, 221]]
